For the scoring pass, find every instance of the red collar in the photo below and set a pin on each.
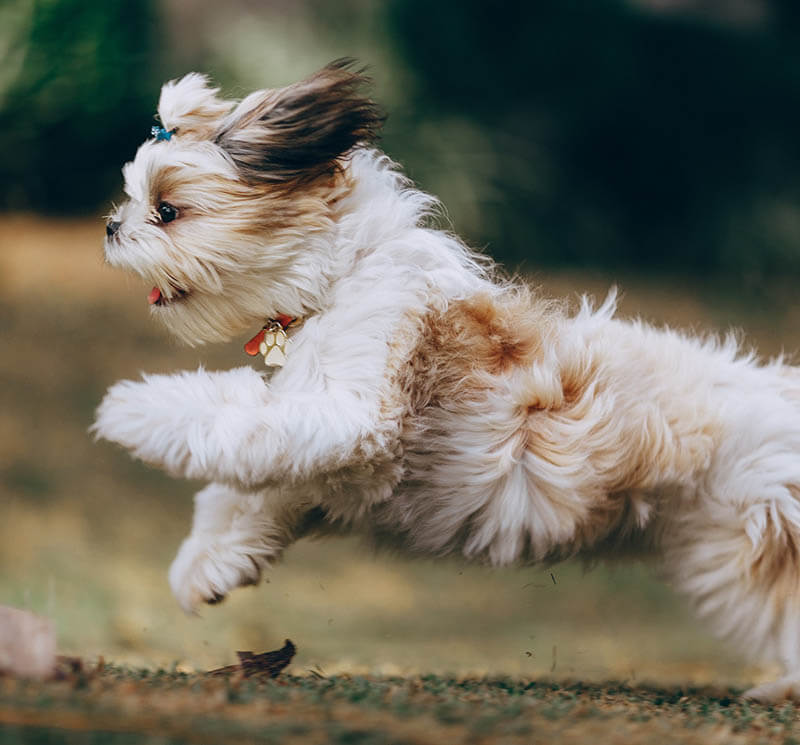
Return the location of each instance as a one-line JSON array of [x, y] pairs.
[[281, 319]]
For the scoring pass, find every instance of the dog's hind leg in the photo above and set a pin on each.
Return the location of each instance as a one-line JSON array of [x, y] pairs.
[[235, 536], [734, 549]]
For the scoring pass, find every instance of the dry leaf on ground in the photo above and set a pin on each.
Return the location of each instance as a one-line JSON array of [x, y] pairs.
[[266, 664]]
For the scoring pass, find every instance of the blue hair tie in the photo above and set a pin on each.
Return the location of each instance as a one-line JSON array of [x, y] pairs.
[[161, 134]]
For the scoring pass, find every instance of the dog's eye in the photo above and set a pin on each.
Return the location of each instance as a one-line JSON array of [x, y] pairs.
[[167, 212]]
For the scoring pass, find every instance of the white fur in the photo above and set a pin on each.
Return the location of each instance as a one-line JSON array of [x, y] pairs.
[[698, 442]]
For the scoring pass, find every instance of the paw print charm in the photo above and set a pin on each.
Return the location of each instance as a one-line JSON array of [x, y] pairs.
[[271, 343], [273, 346]]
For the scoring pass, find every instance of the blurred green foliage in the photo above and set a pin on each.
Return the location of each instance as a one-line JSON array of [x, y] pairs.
[[644, 135], [623, 137], [79, 101]]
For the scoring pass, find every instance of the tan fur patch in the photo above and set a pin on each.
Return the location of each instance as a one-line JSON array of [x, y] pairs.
[[614, 461], [776, 564], [269, 208], [473, 340]]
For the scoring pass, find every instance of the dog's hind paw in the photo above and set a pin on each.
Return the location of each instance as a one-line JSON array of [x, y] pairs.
[[787, 687], [205, 571]]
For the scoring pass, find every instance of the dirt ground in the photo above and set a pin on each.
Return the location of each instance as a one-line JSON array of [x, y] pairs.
[[123, 706]]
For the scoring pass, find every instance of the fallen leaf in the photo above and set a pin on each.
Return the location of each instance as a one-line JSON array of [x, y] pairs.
[[266, 664]]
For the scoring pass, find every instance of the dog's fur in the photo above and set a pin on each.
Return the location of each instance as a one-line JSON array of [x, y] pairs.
[[425, 400]]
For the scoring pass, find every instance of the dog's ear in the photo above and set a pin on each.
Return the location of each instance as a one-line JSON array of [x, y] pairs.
[[190, 106], [295, 134]]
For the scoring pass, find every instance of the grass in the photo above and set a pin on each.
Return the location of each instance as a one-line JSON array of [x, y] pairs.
[[87, 534], [126, 705]]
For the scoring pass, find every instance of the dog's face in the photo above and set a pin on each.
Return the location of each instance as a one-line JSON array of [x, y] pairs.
[[230, 206]]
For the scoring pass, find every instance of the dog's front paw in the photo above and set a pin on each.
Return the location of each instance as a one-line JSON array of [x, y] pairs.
[[206, 570], [146, 418], [173, 421]]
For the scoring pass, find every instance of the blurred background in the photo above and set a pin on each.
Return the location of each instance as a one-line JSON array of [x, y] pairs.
[[650, 143]]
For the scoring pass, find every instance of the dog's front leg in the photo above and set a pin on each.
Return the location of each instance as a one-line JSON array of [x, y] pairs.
[[235, 536], [229, 427], [179, 422]]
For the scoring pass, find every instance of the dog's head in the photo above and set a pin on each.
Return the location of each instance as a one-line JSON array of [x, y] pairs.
[[231, 204]]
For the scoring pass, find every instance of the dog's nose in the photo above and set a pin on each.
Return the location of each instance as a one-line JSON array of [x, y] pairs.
[[112, 226]]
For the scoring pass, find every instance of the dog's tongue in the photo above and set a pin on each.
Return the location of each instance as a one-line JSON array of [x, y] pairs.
[[154, 296]]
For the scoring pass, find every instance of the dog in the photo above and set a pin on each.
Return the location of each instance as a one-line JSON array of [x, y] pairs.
[[416, 395]]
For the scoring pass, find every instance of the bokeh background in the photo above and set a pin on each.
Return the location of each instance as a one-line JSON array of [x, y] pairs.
[[649, 143]]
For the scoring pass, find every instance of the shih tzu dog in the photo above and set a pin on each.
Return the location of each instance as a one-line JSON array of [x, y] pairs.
[[415, 395]]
